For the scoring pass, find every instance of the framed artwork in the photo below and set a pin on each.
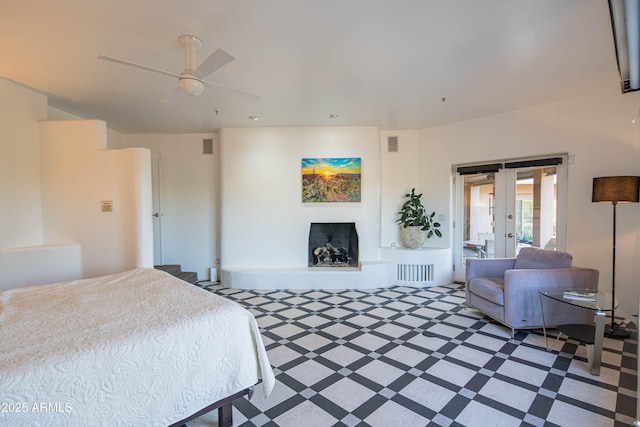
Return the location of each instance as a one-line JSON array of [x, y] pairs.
[[331, 180]]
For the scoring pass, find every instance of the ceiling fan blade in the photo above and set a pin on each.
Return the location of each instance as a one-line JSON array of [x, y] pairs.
[[235, 92], [218, 59], [133, 64]]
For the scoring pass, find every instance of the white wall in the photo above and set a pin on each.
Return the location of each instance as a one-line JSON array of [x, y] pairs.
[[53, 176], [597, 131], [189, 187], [39, 265], [77, 175], [24, 259], [400, 172], [264, 222], [114, 139], [20, 204]]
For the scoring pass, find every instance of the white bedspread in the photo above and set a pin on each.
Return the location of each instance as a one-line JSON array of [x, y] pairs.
[[135, 348]]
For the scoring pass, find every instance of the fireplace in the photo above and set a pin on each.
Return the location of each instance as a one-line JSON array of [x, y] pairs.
[[333, 244]]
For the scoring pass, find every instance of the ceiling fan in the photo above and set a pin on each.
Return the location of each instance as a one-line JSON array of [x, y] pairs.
[[190, 80]]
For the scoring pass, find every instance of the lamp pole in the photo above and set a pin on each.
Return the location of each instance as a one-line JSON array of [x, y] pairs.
[[615, 330], [613, 273], [614, 190]]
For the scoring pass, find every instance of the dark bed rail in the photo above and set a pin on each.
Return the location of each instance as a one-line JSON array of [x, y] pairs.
[[224, 406]]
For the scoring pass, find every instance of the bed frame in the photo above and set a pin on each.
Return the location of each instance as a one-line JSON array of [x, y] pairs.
[[224, 407]]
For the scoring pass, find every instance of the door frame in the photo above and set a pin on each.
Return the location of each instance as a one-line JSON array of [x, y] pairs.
[[506, 183]]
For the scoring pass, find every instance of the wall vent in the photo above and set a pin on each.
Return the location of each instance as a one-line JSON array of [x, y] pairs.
[[392, 144], [416, 272], [207, 146]]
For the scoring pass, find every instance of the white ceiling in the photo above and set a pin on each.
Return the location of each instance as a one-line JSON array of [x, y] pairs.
[[373, 62]]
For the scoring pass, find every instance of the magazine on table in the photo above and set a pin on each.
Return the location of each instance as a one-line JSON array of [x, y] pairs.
[[581, 295]]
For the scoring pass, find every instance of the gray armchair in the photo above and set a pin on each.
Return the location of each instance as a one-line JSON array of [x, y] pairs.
[[506, 289]]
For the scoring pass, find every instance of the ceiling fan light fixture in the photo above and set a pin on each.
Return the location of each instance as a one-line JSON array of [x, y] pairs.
[[190, 80], [191, 86]]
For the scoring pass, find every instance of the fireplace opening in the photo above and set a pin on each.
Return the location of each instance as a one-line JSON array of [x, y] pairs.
[[333, 244]]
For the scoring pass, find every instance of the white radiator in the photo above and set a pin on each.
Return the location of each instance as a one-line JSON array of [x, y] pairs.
[[416, 272]]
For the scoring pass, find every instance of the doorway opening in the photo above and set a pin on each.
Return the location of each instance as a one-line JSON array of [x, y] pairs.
[[504, 206]]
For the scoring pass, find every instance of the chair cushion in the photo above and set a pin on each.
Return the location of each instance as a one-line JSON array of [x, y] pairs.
[[489, 288], [540, 258]]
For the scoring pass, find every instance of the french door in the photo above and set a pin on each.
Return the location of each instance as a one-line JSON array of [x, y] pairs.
[[156, 186], [503, 206]]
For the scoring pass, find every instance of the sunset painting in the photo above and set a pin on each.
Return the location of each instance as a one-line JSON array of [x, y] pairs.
[[331, 180]]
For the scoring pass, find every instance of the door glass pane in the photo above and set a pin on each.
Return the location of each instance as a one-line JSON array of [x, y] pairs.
[[535, 209], [479, 216]]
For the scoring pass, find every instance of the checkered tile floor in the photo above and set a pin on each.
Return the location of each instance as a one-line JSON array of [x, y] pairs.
[[417, 357]]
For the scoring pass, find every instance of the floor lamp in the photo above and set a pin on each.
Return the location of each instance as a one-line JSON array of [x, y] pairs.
[[614, 190]]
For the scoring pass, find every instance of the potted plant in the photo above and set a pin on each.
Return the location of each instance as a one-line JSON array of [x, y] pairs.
[[416, 224]]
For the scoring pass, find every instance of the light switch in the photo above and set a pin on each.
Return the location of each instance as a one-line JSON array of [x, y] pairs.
[[107, 206]]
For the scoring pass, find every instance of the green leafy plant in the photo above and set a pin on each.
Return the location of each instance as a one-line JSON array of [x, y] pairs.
[[413, 213]]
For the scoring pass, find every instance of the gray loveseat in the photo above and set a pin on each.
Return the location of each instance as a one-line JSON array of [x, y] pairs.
[[506, 289]]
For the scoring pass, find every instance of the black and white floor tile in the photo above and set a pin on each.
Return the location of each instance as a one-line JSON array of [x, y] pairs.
[[407, 356]]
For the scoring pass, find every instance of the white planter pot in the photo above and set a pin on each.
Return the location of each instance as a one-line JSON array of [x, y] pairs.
[[412, 237]]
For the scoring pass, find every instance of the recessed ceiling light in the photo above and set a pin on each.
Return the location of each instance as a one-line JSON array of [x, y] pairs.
[[254, 118], [332, 116]]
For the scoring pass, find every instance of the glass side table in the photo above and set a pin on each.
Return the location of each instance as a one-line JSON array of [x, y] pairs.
[[591, 335]]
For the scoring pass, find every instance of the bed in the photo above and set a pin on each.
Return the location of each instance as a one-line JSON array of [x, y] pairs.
[[135, 348]]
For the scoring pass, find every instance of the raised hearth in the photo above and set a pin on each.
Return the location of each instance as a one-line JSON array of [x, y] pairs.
[[422, 267]]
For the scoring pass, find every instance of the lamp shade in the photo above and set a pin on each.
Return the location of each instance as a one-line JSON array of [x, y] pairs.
[[616, 189]]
